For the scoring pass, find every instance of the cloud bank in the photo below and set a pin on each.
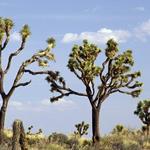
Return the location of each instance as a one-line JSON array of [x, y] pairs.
[[141, 32], [43, 105], [101, 36]]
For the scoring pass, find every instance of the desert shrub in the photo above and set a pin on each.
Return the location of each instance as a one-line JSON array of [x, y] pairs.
[[73, 143], [58, 138], [127, 139], [86, 143], [34, 139], [131, 145], [54, 147], [111, 142], [146, 145], [7, 137], [3, 147]]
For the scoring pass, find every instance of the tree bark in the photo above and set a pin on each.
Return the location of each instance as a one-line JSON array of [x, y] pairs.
[[2, 117], [19, 138], [147, 130], [95, 125]]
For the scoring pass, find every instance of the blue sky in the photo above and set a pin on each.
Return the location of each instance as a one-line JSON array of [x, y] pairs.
[[69, 22]]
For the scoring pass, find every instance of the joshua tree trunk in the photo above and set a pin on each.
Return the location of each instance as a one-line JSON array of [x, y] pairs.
[[2, 117], [19, 139], [95, 125], [148, 131]]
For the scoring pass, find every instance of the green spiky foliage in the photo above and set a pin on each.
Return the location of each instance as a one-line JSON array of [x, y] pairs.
[[82, 59], [118, 129], [42, 58], [6, 26], [29, 129], [114, 75], [81, 129], [143, 112]]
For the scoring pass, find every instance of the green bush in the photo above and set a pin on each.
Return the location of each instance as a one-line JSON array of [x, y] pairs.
[[58, 138]]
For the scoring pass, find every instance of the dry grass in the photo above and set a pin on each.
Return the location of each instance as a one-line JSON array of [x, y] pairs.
[[122, 140]]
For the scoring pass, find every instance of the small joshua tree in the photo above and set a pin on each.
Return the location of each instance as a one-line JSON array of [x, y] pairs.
[[143, 112], [29, 129], [19, 139], [118, 129], [42, 58], [81, 129], [99, 81]]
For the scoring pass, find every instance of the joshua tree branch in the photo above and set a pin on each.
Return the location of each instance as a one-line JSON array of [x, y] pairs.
[[58, 85], [120, 91], [93, 88], [6, 40], [14, 54], [77, 75], [22, 84], [38, 72], [103, 68], [62, 88], [108, 75]]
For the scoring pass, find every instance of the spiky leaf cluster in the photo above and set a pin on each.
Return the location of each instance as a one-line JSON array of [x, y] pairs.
[[5, 27], [81, 129], [122, 63], [143, 111], [53, 78], [111, 49], [82, 60], [51, 42], [43, 56], [25, 32], [119, 128], [119, 68]]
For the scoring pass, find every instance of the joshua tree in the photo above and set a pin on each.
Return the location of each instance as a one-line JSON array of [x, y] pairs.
[[29, 129], [42, 57], [143, 112], [81, 129], [118, 129], [19, 138], [114, 76]]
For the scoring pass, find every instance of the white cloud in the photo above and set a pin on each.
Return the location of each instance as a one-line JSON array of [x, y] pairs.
[[15, 36], [70, 37], [16, 104], [61, 104], [41, 106], [64, 103], [99, 37], [45, 102], [143, 30], [140, 8]]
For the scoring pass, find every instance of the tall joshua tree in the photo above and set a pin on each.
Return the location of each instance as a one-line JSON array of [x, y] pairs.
[[42, 57], [114, 76], [143, 112]]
